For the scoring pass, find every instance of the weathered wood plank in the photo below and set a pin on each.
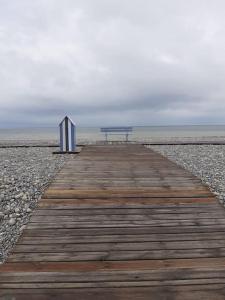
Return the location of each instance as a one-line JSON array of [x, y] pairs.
[[131, 224], [128, 193], [182, 292], [186, 275], [130, 211], [126, 217], [78, 239], [116, 255], [126, 202], [129, 246], [124, 265], [109, 284], [124, 230]]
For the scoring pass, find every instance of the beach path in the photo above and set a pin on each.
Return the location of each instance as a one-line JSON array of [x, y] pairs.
[[120, 222]]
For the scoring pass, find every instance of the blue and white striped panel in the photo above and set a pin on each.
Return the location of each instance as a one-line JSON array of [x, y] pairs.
[[61, 136], [67, 135], [73, 136]]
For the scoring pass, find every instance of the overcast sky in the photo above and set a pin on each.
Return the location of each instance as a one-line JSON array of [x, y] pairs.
[[112, 62]]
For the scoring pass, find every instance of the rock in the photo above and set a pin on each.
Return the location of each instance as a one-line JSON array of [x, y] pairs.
[[29, 210], [6, 211], [22, 227], [20, 195], [221, 200], [24, 198], [2, 215], [12, 221]]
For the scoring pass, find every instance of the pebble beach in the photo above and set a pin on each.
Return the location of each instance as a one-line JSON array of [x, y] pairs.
[[24, 174]]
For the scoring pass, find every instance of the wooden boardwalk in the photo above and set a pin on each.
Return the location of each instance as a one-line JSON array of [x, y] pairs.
[[118, 223]]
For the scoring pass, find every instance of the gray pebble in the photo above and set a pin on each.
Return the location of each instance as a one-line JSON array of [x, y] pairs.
[[22, 227], [12, 221]]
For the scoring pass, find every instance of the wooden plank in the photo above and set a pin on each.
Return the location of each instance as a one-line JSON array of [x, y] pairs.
[[110, 284], [89, 239], [96, 194], [188, 292], [128, 246], [131, 224], [124, 230], [126, 217], [116, 275], [116, 255], [127, 202], [125, 265], [130, 211]]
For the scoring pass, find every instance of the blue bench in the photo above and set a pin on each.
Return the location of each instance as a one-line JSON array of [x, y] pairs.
[[116, 131]]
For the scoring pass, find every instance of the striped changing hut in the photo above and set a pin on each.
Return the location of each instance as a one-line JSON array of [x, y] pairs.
[[67, 135]]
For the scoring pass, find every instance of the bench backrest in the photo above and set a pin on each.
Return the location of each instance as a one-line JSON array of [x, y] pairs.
[[116, 129]]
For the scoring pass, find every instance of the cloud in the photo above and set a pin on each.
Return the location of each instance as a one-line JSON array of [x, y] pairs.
[[140, 62]]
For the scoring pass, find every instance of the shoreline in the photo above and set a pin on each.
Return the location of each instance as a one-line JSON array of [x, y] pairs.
[[39, 143]]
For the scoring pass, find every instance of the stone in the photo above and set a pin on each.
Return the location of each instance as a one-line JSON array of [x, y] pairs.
[[24, 198], [19, 196], [12, 221], [22, 227]]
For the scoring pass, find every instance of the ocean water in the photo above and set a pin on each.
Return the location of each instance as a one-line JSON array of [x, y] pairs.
[[142, 133]]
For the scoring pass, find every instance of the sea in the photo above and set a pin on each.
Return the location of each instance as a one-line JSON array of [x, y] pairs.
[[140, 133]]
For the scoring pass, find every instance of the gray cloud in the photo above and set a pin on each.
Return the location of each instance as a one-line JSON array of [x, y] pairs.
[[108, 62]]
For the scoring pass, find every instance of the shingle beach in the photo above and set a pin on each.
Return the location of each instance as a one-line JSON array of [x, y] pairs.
[[24, 174]]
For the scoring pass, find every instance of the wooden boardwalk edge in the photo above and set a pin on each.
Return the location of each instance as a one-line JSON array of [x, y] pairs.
[[120, 222]]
